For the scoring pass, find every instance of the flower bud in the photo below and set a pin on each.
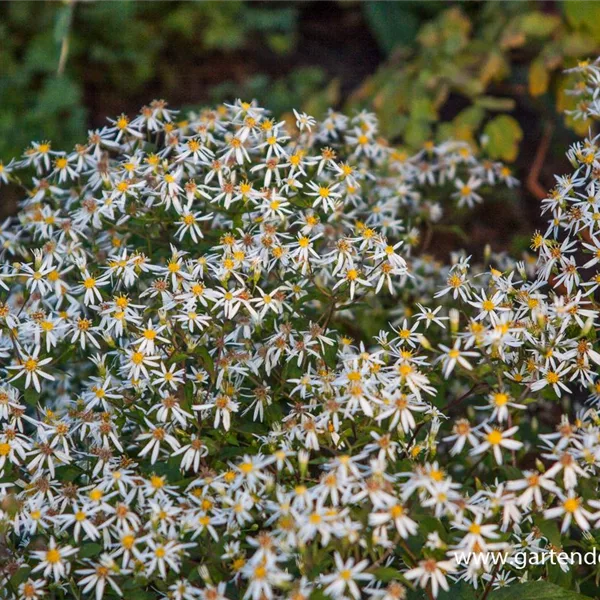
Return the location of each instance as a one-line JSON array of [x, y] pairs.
[[454, 319], [303, 458], [587, 326], [487, 253], [425, 342]]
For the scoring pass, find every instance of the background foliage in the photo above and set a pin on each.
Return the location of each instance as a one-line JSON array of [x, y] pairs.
[[487, 72]]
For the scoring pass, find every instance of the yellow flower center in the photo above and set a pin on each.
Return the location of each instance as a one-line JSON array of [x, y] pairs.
[[494, 437], [475, 529], [137, 358], [31, 364], [500, 399], [571, 504]]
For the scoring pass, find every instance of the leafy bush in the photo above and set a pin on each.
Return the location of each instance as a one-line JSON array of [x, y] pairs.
[[58, 57], [231, 370], [467, 69]]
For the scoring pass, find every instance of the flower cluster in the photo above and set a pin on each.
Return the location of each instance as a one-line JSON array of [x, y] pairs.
[[230, 369]]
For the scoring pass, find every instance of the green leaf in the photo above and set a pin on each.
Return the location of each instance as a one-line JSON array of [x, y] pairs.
[[578, 44], [423, 109], [417, 132], [89, 550], [503, 136], [207, 361], [392, 23], [497, 104], [31, 397], [539, 78], [539, 24], [177, 357], [535, 590], [62, 24], [387, 574], [583, 15], [549, 529], [58, 94], [20, 576], [461, 591]]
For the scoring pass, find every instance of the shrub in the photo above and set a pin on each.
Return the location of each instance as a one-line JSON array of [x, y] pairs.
[[468, 68], [202, 396]]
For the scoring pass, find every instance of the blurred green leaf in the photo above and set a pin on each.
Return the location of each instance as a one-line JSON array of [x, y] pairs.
[[495, 103], [387, 574], [62, 23], [458, 591], [417, 133], [503, 135], [392, 23], [539, 78], [584, 15], [539, 24], [535, 590]]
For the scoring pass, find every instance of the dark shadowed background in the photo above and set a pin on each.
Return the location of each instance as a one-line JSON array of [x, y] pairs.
[[490, 73]]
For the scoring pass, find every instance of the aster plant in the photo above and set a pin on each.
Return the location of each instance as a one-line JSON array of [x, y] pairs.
[[229, 368]]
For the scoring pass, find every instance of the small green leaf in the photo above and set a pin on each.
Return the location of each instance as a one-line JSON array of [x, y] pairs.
[[89, 550], [494, 103], [177, 357], [549, 529], [387, 574]]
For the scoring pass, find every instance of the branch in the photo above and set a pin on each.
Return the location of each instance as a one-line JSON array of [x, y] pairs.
[[532, 182]]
